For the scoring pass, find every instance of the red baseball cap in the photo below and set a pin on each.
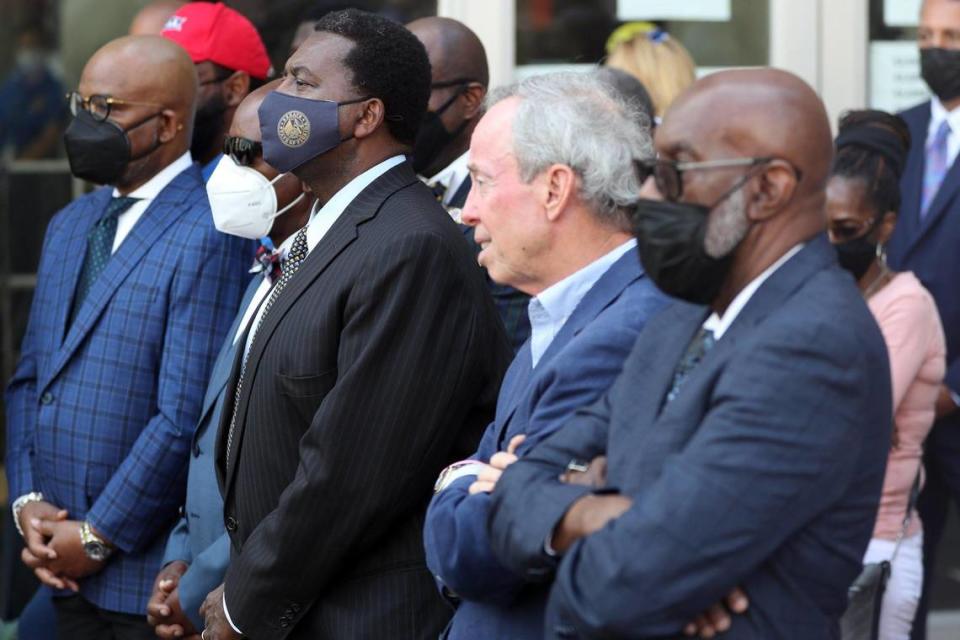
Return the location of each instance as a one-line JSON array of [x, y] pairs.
[[222, 35]]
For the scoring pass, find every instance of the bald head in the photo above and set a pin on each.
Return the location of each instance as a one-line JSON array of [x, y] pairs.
[[150, 20], [454, 50], [144, 68], [246, 119], [755, 113]]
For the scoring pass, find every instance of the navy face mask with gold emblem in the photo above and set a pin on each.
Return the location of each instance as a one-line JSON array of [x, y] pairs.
[[296, 130]]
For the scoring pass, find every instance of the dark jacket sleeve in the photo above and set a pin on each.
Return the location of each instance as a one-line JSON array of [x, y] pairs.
[[379, 436]]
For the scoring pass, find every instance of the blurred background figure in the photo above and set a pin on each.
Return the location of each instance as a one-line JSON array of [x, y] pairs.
[[151, 20], [863, 197], [231, 62], [458, 87], [655, 58], [32, 112], [631, 89]]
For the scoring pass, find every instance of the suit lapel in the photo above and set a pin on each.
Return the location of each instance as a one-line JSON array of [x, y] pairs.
[[343, 232], [941, 202], [220, 372], [72, 257], [161, 213], [621, 274], [908, 222]]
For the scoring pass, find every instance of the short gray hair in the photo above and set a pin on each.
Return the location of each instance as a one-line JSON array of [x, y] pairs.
[[580, 120]]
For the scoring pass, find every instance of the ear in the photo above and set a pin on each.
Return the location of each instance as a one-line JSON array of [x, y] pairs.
[[369, 116], [473, 100], [170, 125], [235, 88], [559, 185], [776, 186], [887, 224]]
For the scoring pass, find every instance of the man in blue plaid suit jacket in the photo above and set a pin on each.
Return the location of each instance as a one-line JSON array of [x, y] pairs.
[[112, 370]]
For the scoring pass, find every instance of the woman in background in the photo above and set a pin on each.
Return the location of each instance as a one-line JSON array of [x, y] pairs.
[[653, 57], [863, 196]]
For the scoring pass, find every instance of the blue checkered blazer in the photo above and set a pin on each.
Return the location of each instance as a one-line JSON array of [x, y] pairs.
[[100, 413]]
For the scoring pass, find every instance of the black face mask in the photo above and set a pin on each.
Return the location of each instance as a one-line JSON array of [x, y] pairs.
[[433, 137], [940, 69], [856, 255], [671, 239], [207, 126], [100, 151]]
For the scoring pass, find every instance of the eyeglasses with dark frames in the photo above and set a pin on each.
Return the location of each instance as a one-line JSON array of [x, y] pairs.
[[100, 106], [244, 151], [668, 174]]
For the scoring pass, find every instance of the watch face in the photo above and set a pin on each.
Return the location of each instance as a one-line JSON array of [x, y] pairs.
[[96, 551]]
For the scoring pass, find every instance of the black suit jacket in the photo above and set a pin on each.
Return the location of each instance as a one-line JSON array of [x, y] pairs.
[[378, 365]]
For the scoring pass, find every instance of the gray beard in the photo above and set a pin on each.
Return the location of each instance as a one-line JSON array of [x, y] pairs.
[[727, 227]]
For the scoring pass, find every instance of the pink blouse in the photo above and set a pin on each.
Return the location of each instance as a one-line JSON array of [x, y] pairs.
[[910, 323]]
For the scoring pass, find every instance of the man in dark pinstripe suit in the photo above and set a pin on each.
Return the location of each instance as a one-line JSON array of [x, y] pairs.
[[375, 361]]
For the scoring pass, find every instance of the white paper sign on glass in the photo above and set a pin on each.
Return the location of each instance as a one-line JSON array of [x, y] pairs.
[[695, 10], [901, 13], [895, 81]]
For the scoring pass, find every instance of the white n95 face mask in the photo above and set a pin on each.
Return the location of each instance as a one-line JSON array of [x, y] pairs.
[[243, 201]]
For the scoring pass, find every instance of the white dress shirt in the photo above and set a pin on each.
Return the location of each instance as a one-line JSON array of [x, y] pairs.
[[452, 177], [261, 292], [320, 222], [550, 309], [146, 193], [939, 113], [719, 324]]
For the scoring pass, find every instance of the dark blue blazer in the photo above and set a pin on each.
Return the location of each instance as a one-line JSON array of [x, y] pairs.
[[100, 412], [578, 366], [199, 537], [930, 248], [764, 472]]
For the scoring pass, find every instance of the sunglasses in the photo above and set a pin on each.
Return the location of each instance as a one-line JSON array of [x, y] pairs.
[[244, 151]]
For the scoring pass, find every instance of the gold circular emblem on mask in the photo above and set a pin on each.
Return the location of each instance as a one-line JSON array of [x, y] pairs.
[[293, 129]]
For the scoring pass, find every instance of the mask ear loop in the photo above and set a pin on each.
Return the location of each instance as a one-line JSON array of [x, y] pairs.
[[292, 203]]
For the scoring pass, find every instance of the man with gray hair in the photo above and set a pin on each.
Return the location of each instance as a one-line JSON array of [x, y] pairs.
[[553, 180]]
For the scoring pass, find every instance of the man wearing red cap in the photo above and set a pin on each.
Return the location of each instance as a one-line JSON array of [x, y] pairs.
[[231, 62]]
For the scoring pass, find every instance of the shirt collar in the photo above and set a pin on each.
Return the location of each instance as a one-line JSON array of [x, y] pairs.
[[939, 113], [452, 176], [559, 300], [152, 187], [337, 204], [719, 324]]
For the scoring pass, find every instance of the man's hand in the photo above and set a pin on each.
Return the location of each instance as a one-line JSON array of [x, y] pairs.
[[945, 404], [716, 619], [38, 554], [216, 626], [588, 515], [595, 476], [163, 609], [71, 561], [488, 476]]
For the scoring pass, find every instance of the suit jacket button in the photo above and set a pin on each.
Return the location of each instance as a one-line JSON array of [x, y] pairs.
[[181, 511], [231, 524], [46, 398]]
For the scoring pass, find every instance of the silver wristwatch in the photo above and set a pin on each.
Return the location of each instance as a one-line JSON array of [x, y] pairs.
[[20, 503], [93, 545]]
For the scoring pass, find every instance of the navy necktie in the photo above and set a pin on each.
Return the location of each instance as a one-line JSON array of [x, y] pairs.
[[99, 248], [698, 348]]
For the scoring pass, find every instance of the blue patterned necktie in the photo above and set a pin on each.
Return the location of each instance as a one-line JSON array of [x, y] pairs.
[[698, 348], [288, 267], [935, 167], [99, 248]]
